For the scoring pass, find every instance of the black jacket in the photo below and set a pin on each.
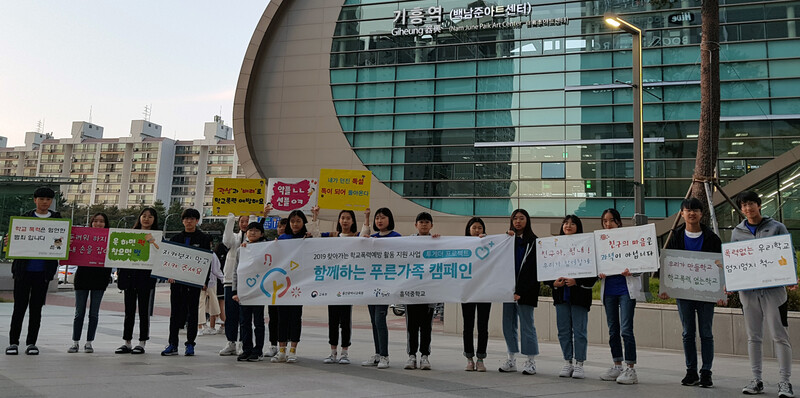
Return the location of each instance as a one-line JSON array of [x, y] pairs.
[[580, 294], [50, 266], [527, 284], [711, 242], [92, 278]]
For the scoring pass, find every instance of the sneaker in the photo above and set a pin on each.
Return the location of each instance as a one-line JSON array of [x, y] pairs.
[[705, 379], [211, 331], [73, 348], [271, 351], [123, 349], [330, 359], [424, 363], [189, 352], [567, 370], [243, 356], [344, 359], [255, 357], [383, 363], [470, 365], [755, 387], [230, 349], [411, 363], [239, 349], [292, 357], [13, 349], [529, 367], [31, 350], [628, 376], [168, 351], [87, 348], [577, 371], [479, 366], [785, 390], [201, 332], [221, 329], [691, 378], [372, 361], [280, 357], [510, 365], [611, 374]]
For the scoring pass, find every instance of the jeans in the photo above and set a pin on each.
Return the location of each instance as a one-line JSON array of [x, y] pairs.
[[290, 323], [528, 342], [380, 331], [619, 314], [272, 326], [704, 322], [571, 321], [132, 297], [183, 301], [231, 316], [468, 311], [252, 316], [419, 325], [340, 316], [30, 289], [80, 311]]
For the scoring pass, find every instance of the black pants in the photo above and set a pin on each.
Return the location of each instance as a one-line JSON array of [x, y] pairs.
[[272, 326], [340, 316], [30, 291], [132, 297], [184, 301], [251, 316], [290, 323], [468, 310], [419, 324]]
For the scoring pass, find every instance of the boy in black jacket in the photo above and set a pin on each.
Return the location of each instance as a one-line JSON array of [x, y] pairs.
[[184, 299], [31, 278]]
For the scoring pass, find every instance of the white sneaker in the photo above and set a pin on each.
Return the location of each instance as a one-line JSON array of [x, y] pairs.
[[330, 359], [411, 363], [567, 370], [510, 365], [383, 363], [211, 331], [292, 357], [372, 361], [280, 357], [239, 348], [424, 363], [628, 376], [202, 331], [577, 371], [529, 367], [230, 349], [344, 359], [271, 352], [611, 374]]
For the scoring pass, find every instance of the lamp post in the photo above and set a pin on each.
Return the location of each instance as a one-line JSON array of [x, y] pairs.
[[639, 217], [165, 222]]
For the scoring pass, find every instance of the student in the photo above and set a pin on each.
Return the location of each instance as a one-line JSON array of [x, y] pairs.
[[572, 298], [232, 240], [31, 278], [526, 297], [476, 227], [208, 304], [340, 316], [419, 317], [619, 294], [252, 316], [89, 282], [290, 317], [137, 286], [695, 236], [765, 305], [184, 299], [383, 224], [272, 310]]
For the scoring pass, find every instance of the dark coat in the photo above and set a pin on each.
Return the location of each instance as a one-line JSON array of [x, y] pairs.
[[580, 294], [527, 283], [50, 266], [92, 278], [711, 242]]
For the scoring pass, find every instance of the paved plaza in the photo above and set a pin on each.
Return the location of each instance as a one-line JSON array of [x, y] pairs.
[[55, 373]]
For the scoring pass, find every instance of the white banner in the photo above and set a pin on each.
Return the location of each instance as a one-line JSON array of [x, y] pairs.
[[634, 248], [569, 256], [39, 238], [691, 275], [407, 270], [185, 264], [759, 263], [132, 248]]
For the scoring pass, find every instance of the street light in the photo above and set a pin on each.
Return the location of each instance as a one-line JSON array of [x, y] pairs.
[[639, 218], [165, 222]]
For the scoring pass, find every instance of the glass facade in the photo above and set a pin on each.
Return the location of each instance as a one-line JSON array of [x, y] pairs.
[[476, 117]]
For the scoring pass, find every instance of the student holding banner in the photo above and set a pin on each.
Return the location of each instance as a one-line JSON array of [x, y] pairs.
[[476, 227], [90, 282], [31, 278], [419, 317], [572, 299], [526, 297], [232, 240], [136, 286], [619, 294], [695, 236], [251, 320], [766, 305]]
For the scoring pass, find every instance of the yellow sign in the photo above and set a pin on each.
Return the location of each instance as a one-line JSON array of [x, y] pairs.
[[238, 196], [344, 189]]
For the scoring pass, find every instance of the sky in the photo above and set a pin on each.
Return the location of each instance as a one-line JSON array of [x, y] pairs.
[[62, 61]]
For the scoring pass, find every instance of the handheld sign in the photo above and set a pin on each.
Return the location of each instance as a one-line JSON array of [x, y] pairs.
[[344, 189], [132, 248], [239, 196], [39, 238], [185, 264], [692, 275], [569, 256], [87, 247], [759, 263], [288, 194], [634, 248]]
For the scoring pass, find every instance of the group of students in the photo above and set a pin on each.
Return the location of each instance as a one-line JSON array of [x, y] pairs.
[[572, 299]]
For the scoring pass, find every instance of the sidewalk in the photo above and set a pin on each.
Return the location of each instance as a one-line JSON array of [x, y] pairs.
[[55, 373]]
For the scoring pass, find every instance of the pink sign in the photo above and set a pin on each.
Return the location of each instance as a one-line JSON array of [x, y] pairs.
[[88, 247], [287, 194]]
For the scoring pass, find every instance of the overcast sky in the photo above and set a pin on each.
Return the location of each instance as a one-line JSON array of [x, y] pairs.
[[61, 59]]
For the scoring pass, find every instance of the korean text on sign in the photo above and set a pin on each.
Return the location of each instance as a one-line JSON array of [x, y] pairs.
[[238, 196], [759, 263]]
